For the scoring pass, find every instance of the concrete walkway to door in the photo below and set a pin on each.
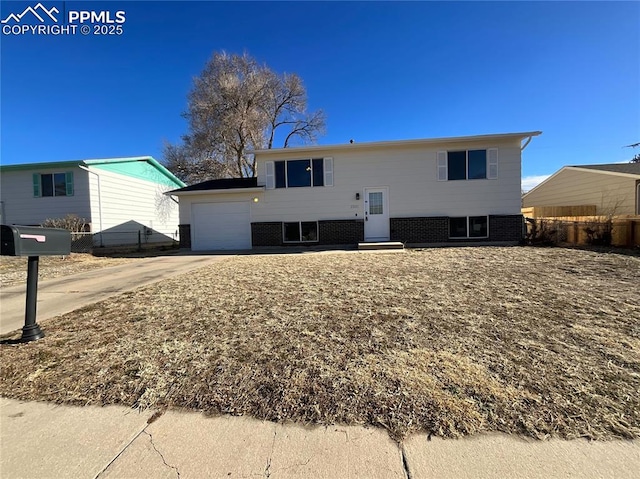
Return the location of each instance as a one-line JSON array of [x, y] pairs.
[[62, 295]]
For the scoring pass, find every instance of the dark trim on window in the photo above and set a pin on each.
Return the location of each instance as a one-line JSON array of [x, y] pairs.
[[287, 172], [467, 165], [476, 227], [307, 232]]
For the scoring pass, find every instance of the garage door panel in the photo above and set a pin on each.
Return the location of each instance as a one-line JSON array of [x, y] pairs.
[[217, 226]]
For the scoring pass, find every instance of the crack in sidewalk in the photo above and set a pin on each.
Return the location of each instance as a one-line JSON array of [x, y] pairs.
[[405, 462], [159, 453], [267, 470], [97, 476]]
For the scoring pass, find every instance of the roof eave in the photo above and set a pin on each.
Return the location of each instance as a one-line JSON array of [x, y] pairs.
[[40, 166], [255, 189], [399, 143], [93, 162], [605, 172], [149, 159]]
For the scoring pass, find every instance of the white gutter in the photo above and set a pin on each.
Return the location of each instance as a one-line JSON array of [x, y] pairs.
[[526, 143], [99, 200]]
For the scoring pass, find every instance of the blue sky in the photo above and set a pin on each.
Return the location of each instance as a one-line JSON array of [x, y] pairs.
[[380, 71]]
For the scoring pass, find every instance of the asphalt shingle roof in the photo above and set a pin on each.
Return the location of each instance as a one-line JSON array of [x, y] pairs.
[[628, 168], [222, 184]]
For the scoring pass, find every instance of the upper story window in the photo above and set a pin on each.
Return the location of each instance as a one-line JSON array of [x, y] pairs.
[[53, 184], [299, 173], [468, 164]]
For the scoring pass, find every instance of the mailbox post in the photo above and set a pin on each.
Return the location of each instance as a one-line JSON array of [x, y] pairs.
[[33, 242]]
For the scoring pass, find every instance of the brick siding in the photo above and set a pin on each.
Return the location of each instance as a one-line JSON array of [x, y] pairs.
[[340, 231], [420, 230], [506, 228], [408, 230], [266, 234], [330, 232]]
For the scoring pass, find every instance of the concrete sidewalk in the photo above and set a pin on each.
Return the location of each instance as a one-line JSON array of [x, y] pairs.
[[61, 295], [40, 440]]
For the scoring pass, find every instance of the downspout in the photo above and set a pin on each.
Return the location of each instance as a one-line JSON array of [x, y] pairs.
[[526, 143], [99, 200]]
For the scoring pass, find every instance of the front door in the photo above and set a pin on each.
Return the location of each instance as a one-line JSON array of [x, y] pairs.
[[376, 214]]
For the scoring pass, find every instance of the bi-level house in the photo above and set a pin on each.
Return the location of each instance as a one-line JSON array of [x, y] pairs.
[[426, 191]]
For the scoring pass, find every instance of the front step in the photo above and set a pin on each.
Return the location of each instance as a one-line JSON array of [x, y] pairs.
[[380, 246]]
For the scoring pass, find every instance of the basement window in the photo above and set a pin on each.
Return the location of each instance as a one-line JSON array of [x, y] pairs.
[[300, 232], [469, 227]]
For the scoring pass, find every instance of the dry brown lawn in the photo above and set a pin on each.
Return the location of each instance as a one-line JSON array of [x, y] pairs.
[[538, 342], [13, 269]]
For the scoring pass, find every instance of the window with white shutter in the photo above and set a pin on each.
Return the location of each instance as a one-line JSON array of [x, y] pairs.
[[312, 172], [467, 164], [53, 184]]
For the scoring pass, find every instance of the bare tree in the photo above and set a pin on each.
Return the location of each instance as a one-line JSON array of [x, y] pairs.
[[192, 166], [636, 157], [287, 108], [237, 105]]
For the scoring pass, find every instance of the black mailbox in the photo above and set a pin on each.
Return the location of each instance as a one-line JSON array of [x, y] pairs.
[[34, 241]]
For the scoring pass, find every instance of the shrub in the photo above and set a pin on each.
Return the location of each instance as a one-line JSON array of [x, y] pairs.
[[541, 232], [71, 222], [599, 232]]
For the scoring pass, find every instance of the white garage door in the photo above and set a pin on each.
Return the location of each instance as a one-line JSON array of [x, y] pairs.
[[220, 226]]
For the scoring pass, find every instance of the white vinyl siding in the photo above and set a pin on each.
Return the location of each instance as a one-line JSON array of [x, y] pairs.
[[24, 204], [410, 173], [129, 204]]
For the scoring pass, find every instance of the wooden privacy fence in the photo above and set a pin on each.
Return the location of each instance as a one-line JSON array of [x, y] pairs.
[[558, 211], [622, 231]]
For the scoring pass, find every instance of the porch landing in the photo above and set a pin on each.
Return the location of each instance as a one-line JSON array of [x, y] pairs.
[[380, 245]]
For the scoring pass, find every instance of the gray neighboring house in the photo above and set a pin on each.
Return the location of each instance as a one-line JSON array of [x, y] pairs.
[[119, 197], [613, 188], [425, 191]]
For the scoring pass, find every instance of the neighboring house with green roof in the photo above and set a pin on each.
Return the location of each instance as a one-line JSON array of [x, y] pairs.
[[614, 188], [118, 197]]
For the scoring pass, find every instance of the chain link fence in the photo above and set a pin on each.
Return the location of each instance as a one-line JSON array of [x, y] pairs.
[[87, 242]]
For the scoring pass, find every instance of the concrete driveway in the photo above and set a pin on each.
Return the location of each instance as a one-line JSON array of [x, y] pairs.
[[62, 295]]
